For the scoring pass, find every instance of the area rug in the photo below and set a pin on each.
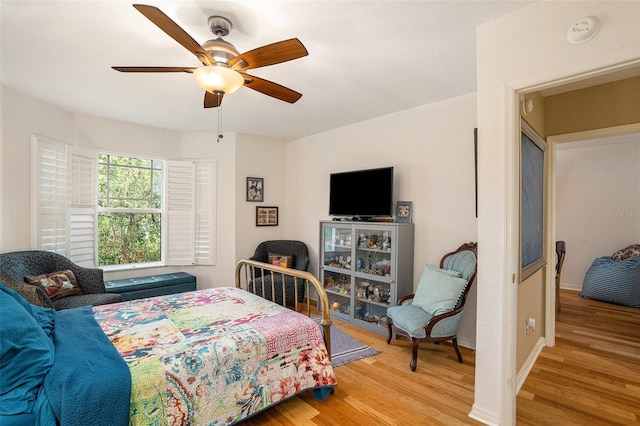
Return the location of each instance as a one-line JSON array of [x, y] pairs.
[[345, 348]]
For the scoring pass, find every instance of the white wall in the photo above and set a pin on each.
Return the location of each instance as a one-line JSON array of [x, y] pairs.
[[431, 150], [263, 158], [523, 51], [598, 203], [24, 115]]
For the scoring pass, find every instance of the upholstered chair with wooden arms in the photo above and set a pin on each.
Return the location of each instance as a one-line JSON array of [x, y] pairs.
[[434, 311]]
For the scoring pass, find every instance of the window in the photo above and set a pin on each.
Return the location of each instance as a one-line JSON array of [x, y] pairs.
[[112, 209], [129, 210]]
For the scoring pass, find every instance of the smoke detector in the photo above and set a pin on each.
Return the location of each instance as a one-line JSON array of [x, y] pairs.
[[583, 30]]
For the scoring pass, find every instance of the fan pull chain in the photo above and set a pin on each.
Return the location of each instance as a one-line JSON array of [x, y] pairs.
[[220, 136]]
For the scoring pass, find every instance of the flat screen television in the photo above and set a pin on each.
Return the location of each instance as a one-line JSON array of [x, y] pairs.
[[362, 194]]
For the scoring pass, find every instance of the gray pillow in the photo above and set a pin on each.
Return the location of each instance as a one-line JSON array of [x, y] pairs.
[[438, 290]]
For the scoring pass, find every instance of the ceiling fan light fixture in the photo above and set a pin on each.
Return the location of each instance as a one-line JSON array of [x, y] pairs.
[[220, 50], [216, 78]]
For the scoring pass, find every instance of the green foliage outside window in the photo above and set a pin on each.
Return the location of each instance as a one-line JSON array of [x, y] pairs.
[[129, 210]]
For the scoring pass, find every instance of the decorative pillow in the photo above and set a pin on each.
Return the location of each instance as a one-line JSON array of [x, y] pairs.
[[445, 271], [627, 252], [281, 260], [438, 291], [57, 284]]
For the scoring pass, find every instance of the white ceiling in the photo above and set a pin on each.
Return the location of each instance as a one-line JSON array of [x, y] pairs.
[[366, 59]]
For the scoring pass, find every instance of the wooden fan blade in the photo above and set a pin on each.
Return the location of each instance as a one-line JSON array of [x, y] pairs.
[[154, 69], [174, 31], [270, 88], [212, 100], [270, 54]]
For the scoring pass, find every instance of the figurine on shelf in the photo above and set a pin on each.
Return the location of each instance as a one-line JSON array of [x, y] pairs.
[[328, 282], [386, 244], [344, 285]]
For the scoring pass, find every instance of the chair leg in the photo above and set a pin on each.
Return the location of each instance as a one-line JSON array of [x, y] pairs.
[[414, 354], [455, 346], [390, 329]]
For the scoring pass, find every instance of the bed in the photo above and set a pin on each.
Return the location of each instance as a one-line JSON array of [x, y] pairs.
[[209, 357]]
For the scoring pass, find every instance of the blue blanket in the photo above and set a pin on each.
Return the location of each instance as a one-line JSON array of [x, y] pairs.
[[89, 383]]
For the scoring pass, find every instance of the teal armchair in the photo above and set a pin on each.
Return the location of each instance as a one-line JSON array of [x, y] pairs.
[[434, 311]]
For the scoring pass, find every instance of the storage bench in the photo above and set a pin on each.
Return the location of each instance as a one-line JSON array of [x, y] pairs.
[[154, 285]]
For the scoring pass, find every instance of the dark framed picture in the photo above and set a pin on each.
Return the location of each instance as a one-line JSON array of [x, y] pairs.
[[532, 201], [266, 216], [255, 189], [404, 211], [475, 158]]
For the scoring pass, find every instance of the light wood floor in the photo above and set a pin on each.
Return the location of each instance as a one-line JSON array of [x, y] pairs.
[[591, 377]]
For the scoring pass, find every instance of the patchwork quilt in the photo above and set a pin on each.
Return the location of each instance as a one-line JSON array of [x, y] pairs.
[[215, 356]]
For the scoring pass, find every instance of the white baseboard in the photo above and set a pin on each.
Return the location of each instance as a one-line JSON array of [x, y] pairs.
[[467, 343], [484, 416], [528, 364], [571, 286]]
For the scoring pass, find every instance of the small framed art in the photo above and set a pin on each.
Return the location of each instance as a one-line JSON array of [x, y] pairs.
[[404, 211], [266, 216], [255, 189]]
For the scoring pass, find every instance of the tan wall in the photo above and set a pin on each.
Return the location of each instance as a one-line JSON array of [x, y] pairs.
[[531, 291], [597, 107], [531, 299]]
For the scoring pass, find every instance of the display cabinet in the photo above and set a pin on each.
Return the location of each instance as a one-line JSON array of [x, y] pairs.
[[365, 267]]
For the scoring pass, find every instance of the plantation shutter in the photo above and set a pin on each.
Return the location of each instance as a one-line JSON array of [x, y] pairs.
[[205, 212], [180, 199], [83, 206], [49, 180]]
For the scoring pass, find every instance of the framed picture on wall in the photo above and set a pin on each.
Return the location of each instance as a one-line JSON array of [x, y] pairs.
[[255, 189], [266, 216], [475, 158], [532, 201]]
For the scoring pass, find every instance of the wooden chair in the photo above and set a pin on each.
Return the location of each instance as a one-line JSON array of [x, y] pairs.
[[434, 311], [561, 249]]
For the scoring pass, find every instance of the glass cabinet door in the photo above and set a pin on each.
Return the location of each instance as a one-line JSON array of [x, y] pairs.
[[373, 271], [337, 269], [371, 301], [373, 252], [338, 288], [337, 247]]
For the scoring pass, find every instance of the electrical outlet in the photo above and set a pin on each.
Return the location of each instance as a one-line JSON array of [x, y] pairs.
[[529, 325]]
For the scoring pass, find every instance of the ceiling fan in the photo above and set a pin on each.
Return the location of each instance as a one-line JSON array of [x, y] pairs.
[[222, 70]]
